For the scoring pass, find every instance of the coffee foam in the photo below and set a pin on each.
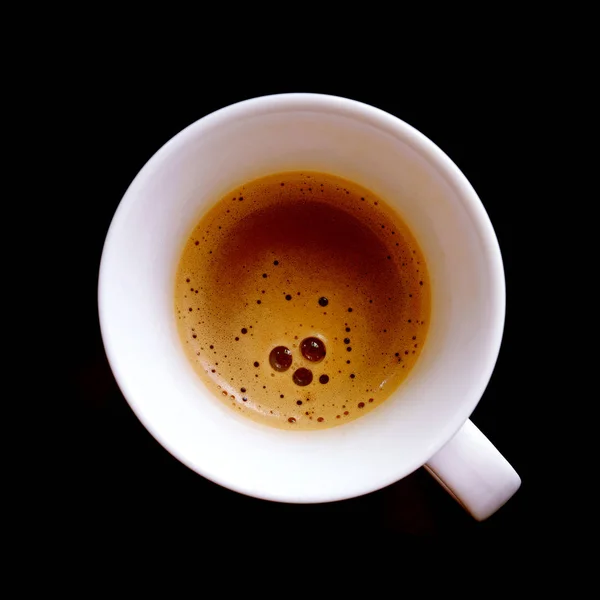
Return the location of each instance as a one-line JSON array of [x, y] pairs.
[[294, 256]]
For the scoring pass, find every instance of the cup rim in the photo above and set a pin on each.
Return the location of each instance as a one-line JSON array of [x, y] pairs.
[[430, 152]]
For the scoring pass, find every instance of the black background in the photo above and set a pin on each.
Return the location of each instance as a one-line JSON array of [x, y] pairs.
[[119, 479]]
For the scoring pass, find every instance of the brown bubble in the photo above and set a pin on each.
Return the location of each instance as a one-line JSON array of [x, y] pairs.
[[191, 309], [349, 349], [346, 413], [187, 280], [256, 363], [244, 330], [280, 358], [324, 379], [211, 346], [299, 403], [291, 420], [302, 376], [194, 335], [346, 340], [320, 419], [265, 275], [244, 399], [275, 262], [361, 405], [370, 399], [237, 339], [313, 349], [288, 297], [352, 375], [243, 390], [347, 329], [323, 301], [258, 302]]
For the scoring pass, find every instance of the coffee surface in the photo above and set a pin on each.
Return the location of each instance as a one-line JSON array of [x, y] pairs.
[[302, 300]]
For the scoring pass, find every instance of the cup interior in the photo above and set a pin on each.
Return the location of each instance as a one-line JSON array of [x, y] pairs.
[[320, 133]]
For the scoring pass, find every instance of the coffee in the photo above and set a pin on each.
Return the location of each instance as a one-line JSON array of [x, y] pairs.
[[302, 300]]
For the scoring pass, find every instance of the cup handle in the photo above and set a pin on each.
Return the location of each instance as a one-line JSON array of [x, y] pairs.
[[474, 473]]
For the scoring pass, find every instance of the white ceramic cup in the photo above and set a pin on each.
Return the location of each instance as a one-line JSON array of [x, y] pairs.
[[425, 422]]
